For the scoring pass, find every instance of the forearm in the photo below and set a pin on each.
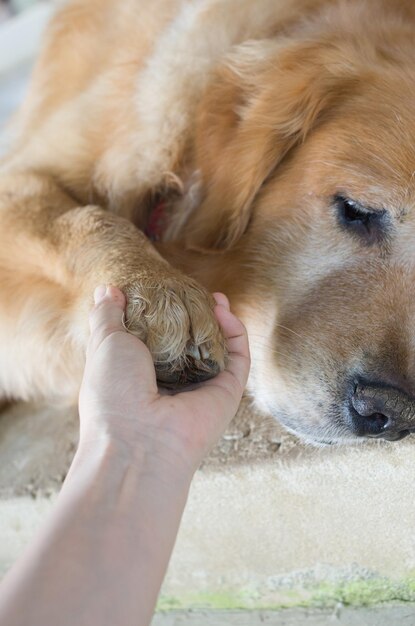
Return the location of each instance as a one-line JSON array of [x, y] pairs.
[[102, 556]]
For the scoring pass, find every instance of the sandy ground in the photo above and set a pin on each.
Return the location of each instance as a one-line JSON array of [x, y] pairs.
[[37, 444]]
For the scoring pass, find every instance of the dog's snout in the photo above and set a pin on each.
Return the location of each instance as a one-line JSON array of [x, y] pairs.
[[381, 411]]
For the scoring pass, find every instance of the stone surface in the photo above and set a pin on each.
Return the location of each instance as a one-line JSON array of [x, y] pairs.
[[387, 616], [270, 523]]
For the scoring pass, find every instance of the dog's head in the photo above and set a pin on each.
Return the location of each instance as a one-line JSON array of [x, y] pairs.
[[306, 146]]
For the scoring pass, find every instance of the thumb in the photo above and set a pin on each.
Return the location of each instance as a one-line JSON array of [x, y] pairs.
[[107, 316]]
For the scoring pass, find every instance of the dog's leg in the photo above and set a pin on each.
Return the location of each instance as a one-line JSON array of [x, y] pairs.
[[52, 255]]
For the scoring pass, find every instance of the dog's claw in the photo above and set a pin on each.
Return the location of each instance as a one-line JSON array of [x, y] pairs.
[[204, 352], [195, 352]]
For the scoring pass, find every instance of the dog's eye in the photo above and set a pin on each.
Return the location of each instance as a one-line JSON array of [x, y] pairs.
[[359, 220]]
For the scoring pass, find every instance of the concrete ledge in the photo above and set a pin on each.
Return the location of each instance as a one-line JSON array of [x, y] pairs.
[[341, 616], [270, 524]]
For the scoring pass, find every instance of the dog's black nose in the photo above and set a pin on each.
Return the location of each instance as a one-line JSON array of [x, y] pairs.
[[381, 411]]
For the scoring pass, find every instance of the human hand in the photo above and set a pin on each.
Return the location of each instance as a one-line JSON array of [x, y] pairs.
[[119, 396]]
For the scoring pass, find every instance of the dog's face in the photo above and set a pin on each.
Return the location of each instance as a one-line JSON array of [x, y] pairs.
[[332, 241], [311, 187]]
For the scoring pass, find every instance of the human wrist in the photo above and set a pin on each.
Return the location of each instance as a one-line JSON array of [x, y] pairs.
[[145, 452]]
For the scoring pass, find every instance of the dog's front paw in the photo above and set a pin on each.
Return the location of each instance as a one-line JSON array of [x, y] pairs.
[[174, 317]]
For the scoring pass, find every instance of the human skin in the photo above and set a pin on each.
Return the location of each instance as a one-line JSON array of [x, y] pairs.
[[101, 557]]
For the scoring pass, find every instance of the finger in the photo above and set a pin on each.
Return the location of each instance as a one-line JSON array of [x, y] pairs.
[[107, 316], [216, 401], [237, 343], [224, 392]]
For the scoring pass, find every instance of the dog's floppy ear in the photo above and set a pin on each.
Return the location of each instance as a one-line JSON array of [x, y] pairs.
[[261, 102]]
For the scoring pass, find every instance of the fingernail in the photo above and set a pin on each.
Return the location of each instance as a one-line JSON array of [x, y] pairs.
[[99, 293], [221, 299]]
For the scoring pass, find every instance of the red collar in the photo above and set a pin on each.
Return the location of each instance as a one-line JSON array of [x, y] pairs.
[[158, 221]]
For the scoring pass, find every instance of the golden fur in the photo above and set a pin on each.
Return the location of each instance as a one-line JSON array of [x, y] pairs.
[[250, 117]]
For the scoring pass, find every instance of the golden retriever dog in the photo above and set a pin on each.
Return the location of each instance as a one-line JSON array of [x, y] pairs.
[[264, 148]]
